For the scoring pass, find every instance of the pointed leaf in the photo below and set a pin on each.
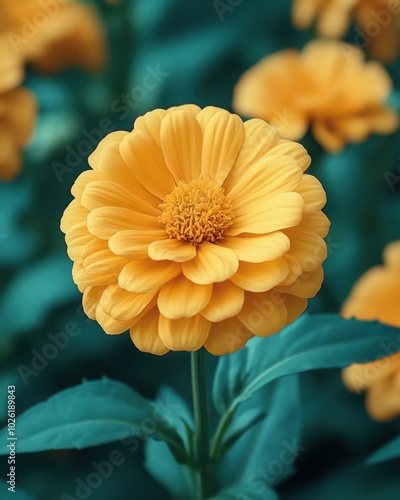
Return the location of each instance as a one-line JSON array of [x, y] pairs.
[[389, 451], [91, 414], [312, 342]]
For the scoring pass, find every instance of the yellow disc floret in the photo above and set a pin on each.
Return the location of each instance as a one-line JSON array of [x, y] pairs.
[[196, 211]]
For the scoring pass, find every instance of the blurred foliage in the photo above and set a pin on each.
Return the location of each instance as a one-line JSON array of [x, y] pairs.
[[195, 53]]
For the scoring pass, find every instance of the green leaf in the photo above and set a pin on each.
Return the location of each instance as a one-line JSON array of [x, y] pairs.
[[239, 426], [273, 445], [245, 492], [312, 342], [176, 478], [389, 451], [91, 414]]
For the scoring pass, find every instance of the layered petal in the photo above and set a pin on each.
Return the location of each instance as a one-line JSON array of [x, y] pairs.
[[185, 334], [226, 337], [182, 143], [180, 298], [146, 276], [213, 264], [145, 334], [225, 302]]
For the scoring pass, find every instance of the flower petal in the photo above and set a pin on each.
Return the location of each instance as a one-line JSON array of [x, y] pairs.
[[293, 150], [146, 276], [112, 165], [185, 334], [261, 277], [77, 238], [328, 137], [307, 247], [264, 313], [74, 214], [180, 298], [123, 305], [295, 307], [90, 300], [83, 279], [226, 301], [145, 334], [98, 258], [113, 137], [226, 337], [259, 138], [273, 214], [223, 135], [251, 248], [105, 222], [312, 192], [212, 264], [134, 244], [306, 286], [145, 159], [182, 142], [171, 249], [270, 176], [100, 194], [317, 222], [110, 325], [150, 122]]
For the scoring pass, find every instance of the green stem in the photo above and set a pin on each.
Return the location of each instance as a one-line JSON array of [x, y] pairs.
[[201, 446]]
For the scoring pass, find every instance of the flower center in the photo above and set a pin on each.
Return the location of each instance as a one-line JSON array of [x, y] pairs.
[[196, 211]]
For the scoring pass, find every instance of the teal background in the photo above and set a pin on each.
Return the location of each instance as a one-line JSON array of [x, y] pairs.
[[200, 57]]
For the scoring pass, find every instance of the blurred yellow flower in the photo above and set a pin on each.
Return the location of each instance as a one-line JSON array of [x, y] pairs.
[[376, 296], [196, 229], [52, 35], [377, 22], [17, 113], [17, 118], [327, 86]]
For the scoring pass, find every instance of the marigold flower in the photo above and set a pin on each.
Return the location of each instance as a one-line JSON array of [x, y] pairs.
[[376, 296], [328, 86], [17, 113], [53, 35], [196, 229], [377, 22], [17, 118]]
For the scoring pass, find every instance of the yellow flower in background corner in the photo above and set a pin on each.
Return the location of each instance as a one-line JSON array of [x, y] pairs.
[[332, 16], [376, 296], [52, 36], [196, 229], [328, 87], [17, 113], [378, 25]]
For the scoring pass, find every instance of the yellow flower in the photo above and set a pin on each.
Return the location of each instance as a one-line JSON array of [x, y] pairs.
[[17, 113], [377, 22], [327, 86], [17, 118], [376, 296], [196, 229], [53, 35]]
